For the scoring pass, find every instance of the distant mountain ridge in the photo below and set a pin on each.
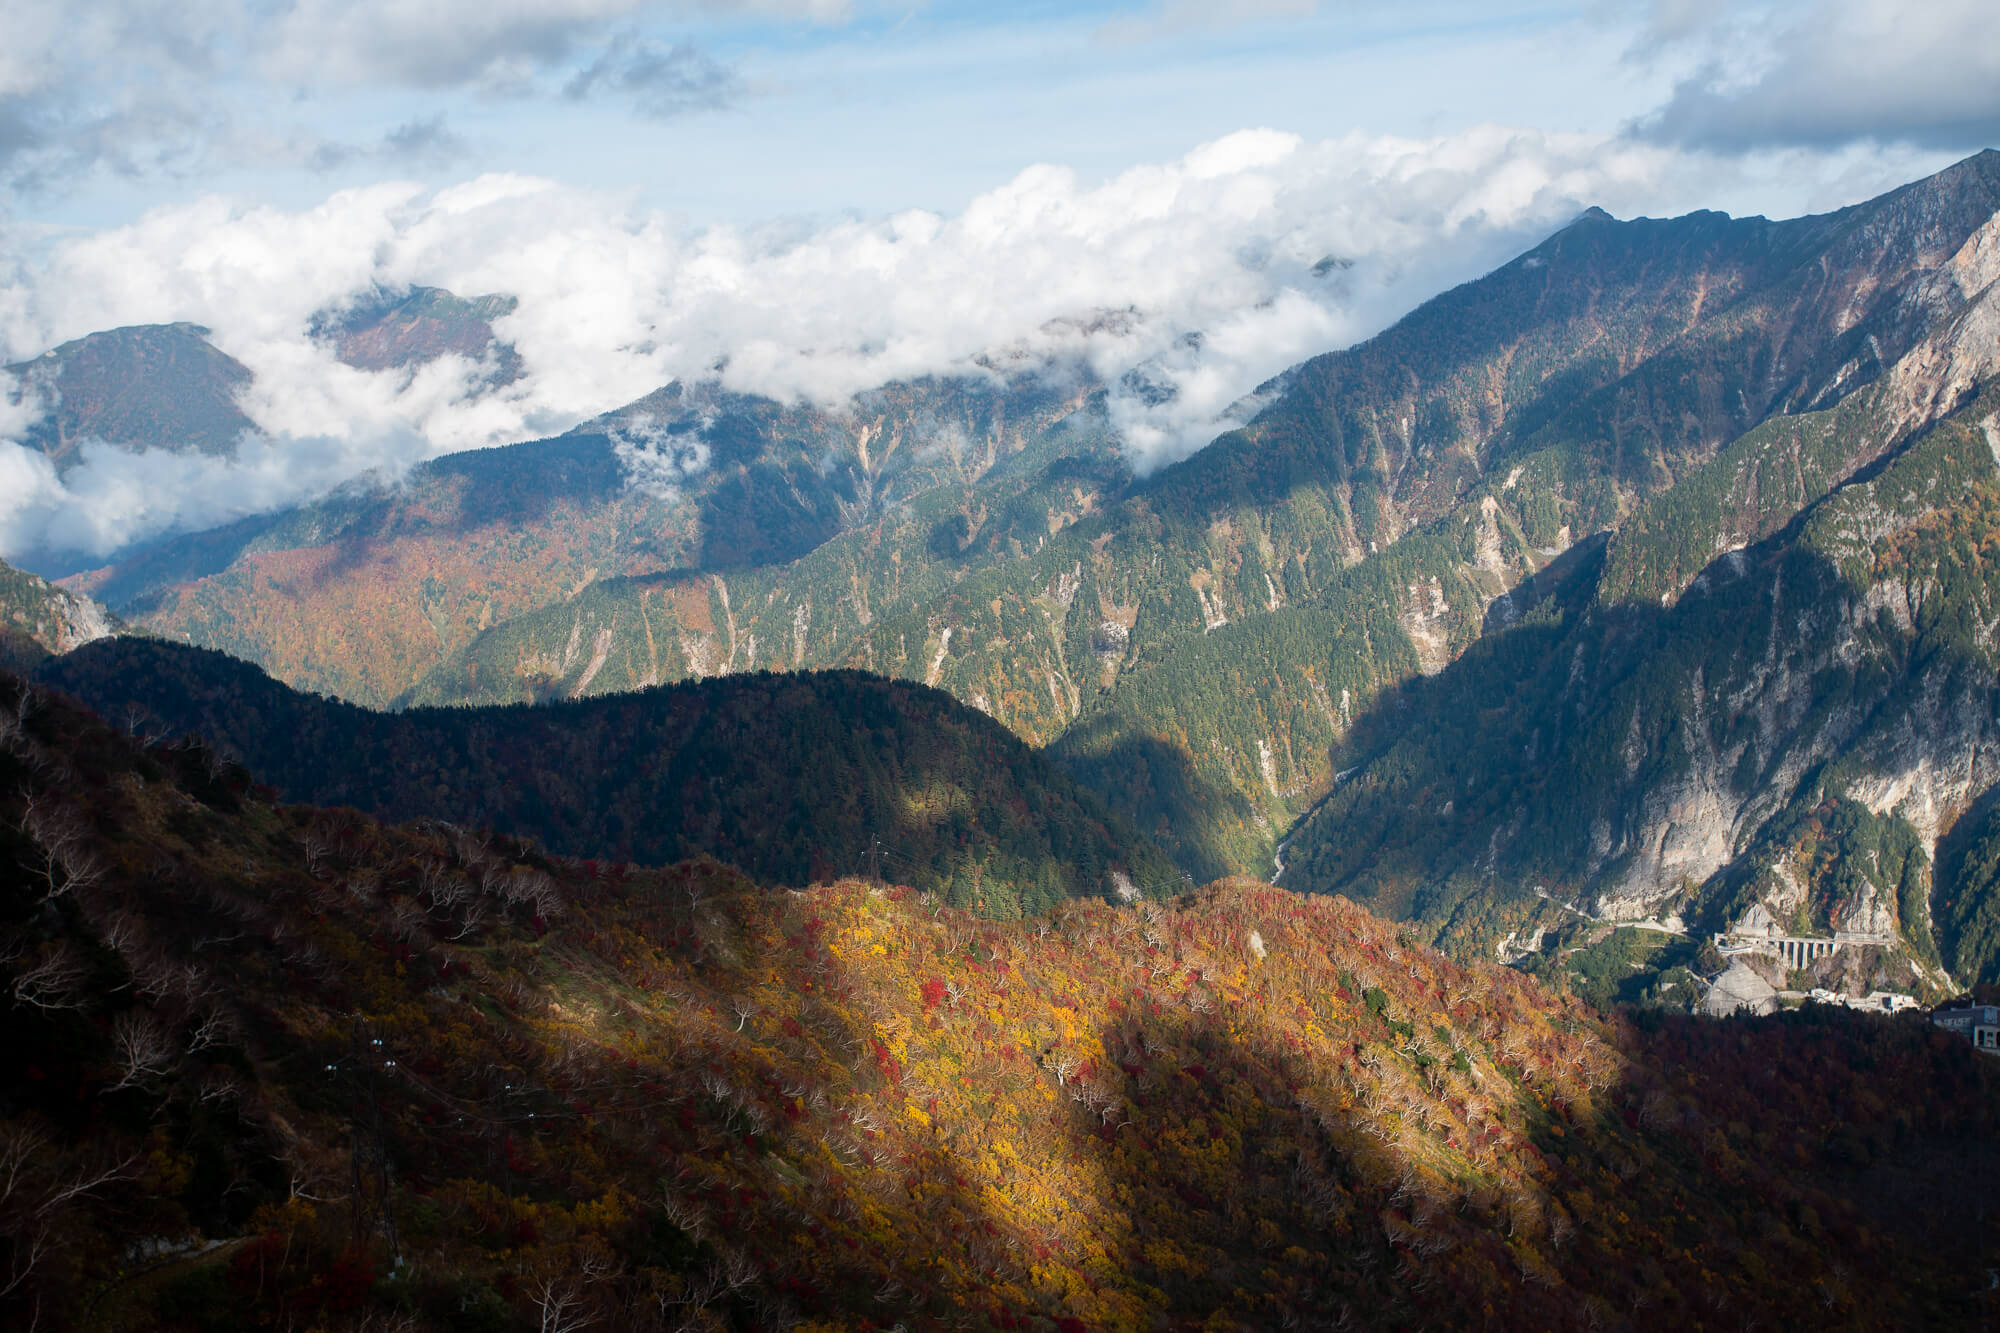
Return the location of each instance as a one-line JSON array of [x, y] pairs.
[[395, 330], [1196, 645], [166, 386], [363, 593]]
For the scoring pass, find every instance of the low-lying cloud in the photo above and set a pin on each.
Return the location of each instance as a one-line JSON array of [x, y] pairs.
[[1222, 268], [657, 461]]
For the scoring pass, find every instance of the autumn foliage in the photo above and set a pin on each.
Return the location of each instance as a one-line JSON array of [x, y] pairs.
[[419, 1074]]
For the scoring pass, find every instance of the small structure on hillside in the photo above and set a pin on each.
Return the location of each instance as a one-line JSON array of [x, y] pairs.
[[1977, 1023]]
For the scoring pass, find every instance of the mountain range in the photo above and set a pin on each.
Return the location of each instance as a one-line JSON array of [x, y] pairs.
[[742, 864], [792, 778], [1596, 590]]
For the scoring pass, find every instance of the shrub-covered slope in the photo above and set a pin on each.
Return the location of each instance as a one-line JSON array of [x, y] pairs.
[[792, 778], [284, 1067]]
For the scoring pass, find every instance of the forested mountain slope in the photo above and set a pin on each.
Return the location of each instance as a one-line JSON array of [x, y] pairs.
[[1805, 724], [1194, 646], [362, 593], [1542, 404], [792, 778], [1196, 649], [805, 611], [284, 1067]]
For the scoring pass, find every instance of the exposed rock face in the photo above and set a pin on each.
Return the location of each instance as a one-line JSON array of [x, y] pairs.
[[53, 619], [1963, 346], [1426, 619], [1803, 726]]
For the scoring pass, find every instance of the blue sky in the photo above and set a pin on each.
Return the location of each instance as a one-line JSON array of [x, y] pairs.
[[806, 198], [805, 107]]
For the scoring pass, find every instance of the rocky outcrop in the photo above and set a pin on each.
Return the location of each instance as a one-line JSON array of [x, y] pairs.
[[54, 619]]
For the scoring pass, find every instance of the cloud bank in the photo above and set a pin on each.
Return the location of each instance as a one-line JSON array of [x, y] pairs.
[[1184, 283]]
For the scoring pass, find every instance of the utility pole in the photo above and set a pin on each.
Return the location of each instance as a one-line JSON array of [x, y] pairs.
[[875, 860]]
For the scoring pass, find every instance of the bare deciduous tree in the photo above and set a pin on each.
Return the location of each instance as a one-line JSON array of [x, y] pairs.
[[53, 981], [469, 921], [559, 1302], [37, 1183], [65, 862], [143, 1048], [214, 1028]]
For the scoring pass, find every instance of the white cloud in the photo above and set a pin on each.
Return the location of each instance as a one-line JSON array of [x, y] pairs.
[[498, 44], [1226, 243], [114, 496], [656, 460], [1828, 73], [150, 90]]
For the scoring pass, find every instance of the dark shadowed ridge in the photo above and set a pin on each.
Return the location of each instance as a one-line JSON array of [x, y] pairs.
[[792, 778]]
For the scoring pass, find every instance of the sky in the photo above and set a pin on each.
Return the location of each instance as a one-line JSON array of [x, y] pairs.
[[809, 197]]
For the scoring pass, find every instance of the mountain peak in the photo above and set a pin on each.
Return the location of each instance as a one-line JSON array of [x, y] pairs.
[[393, 329], [139, 386]]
